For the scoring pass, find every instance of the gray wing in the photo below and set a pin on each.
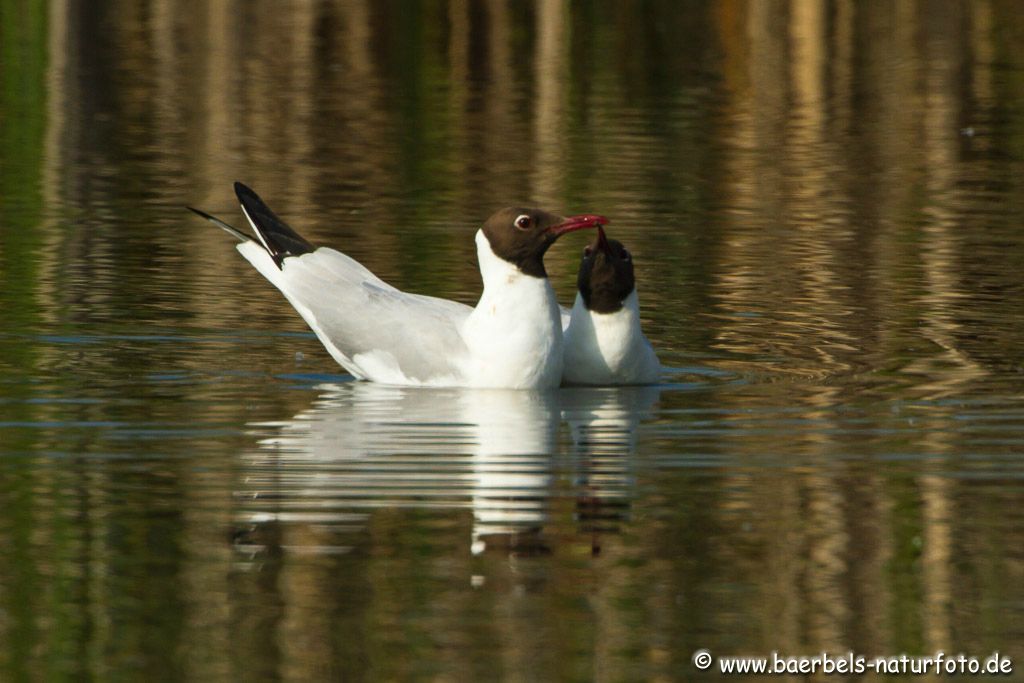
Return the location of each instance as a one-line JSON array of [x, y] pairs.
[[374, 330]]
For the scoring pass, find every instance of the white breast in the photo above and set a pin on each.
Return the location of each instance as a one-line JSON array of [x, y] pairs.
[[514, 335], [608, 348]]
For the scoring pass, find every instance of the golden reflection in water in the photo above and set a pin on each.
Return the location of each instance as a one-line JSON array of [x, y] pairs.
[[551, 73], [268, 110], [785, 201], [791, 173], [838, 251]]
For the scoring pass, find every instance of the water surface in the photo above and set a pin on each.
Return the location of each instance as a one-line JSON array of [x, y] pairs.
[[825, 207]]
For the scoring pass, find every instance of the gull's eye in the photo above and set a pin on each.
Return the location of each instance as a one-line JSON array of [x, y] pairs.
[[625, 255], [587, 251], [523, 222]]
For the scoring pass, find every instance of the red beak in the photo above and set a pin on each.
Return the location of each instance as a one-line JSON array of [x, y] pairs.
[[577, 223]]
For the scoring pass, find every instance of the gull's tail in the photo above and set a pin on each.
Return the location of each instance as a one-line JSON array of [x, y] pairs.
[[274, 235]]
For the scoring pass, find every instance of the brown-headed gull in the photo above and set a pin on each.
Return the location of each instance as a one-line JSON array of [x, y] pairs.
[[511, 339]]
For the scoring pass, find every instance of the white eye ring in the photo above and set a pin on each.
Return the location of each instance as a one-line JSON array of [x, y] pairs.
[[625, 255], [523, 221]]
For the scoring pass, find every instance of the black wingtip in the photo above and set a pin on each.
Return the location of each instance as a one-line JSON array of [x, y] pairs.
[[277, 236], [243, 189]]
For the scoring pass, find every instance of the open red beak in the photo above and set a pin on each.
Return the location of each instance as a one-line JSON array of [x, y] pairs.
[[577, 223]]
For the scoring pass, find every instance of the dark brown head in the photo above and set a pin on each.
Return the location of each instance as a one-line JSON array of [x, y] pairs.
[[606, 274], [522, 236]]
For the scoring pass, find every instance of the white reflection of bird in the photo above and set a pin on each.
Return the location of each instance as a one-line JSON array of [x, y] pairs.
[[366, 446], [604, 423]]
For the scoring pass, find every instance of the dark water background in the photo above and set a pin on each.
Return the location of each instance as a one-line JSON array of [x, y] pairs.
[[826, 205]]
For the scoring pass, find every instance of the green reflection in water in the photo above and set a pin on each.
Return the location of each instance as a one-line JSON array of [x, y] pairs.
[[834, 261], [22, 129], [23, 59]]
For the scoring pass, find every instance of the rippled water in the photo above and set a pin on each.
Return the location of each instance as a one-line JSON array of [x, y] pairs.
[[824, 203]]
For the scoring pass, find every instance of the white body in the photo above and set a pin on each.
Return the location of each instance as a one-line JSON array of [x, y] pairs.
[[512, 339], [608, 348]]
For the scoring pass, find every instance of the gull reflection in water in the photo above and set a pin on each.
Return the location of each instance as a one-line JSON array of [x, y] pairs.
[[604, 423], [497, 453]]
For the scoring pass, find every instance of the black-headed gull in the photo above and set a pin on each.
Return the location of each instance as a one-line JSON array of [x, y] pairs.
[[511, 339], [603, 340]]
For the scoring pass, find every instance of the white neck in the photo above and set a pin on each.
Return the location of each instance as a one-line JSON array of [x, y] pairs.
[[614, 332], [608, 348], [496, 271]]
